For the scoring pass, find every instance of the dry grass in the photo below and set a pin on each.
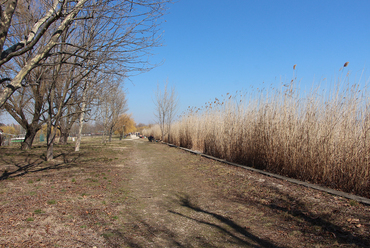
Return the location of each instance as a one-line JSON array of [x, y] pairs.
[[319, 137]]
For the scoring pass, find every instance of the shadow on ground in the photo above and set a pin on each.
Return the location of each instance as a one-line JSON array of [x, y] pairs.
[[33, 163], [225, 232], [316, 223]]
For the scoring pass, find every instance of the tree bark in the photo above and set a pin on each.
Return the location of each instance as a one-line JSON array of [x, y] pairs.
[[63, 140], [28, 140], [81, 122], [6, 16]]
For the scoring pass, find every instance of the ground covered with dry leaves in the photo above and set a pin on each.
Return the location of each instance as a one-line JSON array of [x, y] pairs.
[[133, 193]]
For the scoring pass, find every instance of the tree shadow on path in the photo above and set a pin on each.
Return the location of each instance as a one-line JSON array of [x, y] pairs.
[[238, 233]]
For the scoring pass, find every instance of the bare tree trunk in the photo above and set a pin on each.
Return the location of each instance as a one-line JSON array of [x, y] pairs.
[[110, 132], [64, 134], [28, 140], [51, 133], [81, 122]]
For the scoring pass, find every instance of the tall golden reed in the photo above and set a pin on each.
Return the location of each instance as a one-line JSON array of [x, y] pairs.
[[319, 137]]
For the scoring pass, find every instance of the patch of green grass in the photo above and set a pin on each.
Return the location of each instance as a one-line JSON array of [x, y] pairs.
[[38, 211], [104, 202], [63, 190], [115, 217], [353, 203], [73, 180], [105, 178], [38, 180], [30, 181], [83, 226], [107, 235], [51, 202], [32, 193], [30, 219], [92, 180]]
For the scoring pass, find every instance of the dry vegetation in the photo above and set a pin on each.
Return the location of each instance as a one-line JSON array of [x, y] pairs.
[[134, 193], [320, 137]]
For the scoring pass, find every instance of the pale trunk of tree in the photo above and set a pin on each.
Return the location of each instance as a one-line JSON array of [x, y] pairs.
[[81, 120], [6, 16], [81, 123]]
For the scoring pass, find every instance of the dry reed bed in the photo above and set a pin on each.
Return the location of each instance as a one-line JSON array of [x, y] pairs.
[[321, 138]]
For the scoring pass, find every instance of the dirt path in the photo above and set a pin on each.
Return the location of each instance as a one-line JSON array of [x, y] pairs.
[[133, 193], [170, 207], [183, 200]]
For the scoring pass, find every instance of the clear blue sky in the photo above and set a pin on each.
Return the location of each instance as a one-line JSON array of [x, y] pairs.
[[212, 47]]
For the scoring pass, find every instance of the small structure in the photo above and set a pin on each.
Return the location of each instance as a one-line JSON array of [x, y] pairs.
[[18, 139]]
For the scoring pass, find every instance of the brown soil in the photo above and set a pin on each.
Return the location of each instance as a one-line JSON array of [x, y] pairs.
[[133, 193]]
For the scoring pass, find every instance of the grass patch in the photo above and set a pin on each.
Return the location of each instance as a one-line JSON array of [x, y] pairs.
[[38, 211], [51, 202], [353, 203], [108, 235], [92, 180]]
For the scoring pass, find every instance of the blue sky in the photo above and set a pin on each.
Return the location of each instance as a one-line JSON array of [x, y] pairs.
[[212, 47]]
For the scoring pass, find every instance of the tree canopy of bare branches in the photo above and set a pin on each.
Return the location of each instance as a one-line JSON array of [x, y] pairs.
[[122, 31], [166, 102], [56, 54]]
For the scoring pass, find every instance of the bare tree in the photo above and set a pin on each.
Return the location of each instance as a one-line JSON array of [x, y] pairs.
[[91, 89], [166, 107], [107, 37], [113, 104], [66, 9], [126, 30]]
